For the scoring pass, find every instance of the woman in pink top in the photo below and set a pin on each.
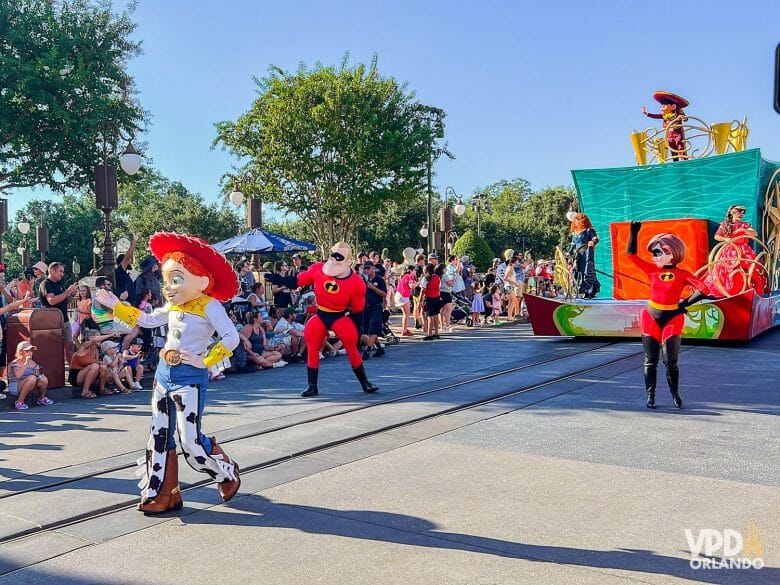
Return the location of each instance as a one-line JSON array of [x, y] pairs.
[[403, 297]]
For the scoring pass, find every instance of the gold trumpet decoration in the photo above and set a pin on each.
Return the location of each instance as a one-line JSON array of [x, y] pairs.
[[562, 276], [701, 140]]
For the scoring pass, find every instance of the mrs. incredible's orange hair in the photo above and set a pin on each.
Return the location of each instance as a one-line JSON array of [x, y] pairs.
[[193, 265]]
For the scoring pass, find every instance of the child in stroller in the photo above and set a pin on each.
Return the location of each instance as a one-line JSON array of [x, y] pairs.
[[461, 309], [387, 335]]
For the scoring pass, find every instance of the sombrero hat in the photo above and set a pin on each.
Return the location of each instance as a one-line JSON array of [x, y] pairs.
[[679, 101], [225, 278]]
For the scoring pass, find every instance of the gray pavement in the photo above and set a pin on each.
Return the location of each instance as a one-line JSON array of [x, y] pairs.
[[574, 482]]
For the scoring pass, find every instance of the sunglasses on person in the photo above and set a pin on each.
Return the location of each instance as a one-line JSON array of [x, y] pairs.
[[337, 256], [739, 210]]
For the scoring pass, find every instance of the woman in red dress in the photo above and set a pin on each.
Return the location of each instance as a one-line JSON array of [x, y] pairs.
[[663, 318], [736, 260]]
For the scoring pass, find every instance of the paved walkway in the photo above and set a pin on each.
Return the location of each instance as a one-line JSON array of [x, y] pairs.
[[582, 486]]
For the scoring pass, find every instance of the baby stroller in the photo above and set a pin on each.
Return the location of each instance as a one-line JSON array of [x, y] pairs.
[[461, 309], [387, 335]]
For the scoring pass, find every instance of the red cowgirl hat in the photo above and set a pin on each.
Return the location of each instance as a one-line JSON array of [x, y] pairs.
[[679, 101], [225, 279]]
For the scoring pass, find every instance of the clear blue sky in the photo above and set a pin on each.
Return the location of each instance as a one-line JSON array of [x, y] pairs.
[[531, 89]]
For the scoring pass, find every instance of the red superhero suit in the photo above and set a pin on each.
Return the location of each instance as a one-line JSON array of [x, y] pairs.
[[663, 318], [341, 296], [673, 116]]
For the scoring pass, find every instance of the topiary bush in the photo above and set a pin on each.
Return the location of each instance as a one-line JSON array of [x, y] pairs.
[[477, 249]]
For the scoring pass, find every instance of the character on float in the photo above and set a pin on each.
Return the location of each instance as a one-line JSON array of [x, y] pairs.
[[673, 116], [663, 319], [341, 297], [583, 242], [196, 279], [735, 263]]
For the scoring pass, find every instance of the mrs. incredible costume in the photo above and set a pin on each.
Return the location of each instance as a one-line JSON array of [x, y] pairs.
[[341, 298], [196, 278], [663, 318]]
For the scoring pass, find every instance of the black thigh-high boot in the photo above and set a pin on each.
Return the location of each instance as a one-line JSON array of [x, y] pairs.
[[311, 390], [652, 351], [360, 374], [670, 352]]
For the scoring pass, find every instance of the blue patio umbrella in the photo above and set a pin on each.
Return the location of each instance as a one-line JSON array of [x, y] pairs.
[[259, 240]]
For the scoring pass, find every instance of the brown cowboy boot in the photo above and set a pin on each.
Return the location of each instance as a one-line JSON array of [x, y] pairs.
[[228, 487], [169, 495]]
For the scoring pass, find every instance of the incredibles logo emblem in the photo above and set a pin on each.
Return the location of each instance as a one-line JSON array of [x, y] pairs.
[[331, 286], [666, 276]]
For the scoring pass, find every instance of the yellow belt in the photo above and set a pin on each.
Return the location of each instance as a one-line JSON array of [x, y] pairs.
[[321, 308], [661, 307]]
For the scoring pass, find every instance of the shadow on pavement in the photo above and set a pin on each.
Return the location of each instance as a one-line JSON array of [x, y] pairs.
[[401, 529]]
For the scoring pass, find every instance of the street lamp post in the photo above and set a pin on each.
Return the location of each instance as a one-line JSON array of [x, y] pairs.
[[42, 240], [3, 222], [445, 217], [106, 198], [254, 218], [24, 228], [480, 203], [524, 240]]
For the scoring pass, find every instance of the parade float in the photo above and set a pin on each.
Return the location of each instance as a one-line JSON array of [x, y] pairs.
[[688, 174]]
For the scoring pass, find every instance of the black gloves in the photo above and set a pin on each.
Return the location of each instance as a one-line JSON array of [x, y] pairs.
[[290, 282], [691, 300], [272, 277], [632, 239]]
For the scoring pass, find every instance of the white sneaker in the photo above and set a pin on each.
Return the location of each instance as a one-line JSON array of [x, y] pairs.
[[138, 386], [322, 356], [280, 364], [342, 352]]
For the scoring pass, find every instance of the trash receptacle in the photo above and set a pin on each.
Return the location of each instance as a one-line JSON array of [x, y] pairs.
[[42, 328]]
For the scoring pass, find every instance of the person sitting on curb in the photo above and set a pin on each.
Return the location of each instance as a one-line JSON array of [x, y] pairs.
[[85, 367], [24, 376]]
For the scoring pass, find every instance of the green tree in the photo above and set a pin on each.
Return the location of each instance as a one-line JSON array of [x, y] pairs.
[[476, 247], [64, 90], [72, 224], [544, 219], [153, 203], [333, 145]]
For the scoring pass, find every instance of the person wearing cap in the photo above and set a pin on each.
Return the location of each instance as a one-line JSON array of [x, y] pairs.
[[54, 294], [433, 258], [297, 265], [285, 331], [467, 273], [376, 291], [339, 292], [198, 279], [112, 359], [25, 377]]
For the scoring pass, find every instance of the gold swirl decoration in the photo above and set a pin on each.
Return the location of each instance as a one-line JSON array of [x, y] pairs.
[[770, 228], [701, 140], [734, 262], [562, 277]]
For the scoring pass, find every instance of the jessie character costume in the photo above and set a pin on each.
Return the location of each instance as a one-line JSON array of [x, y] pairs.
[[196, 279], [663, 318], [672, 115], [341, 296]]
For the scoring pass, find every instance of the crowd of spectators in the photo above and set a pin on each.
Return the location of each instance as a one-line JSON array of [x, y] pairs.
[[103, 356]]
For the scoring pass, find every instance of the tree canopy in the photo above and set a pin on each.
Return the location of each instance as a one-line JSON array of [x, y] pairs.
[[333, 145], [64, 90]]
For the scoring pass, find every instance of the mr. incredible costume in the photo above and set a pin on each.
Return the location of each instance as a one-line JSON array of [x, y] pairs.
[[663, 319], [341, 297], [196, 279]]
